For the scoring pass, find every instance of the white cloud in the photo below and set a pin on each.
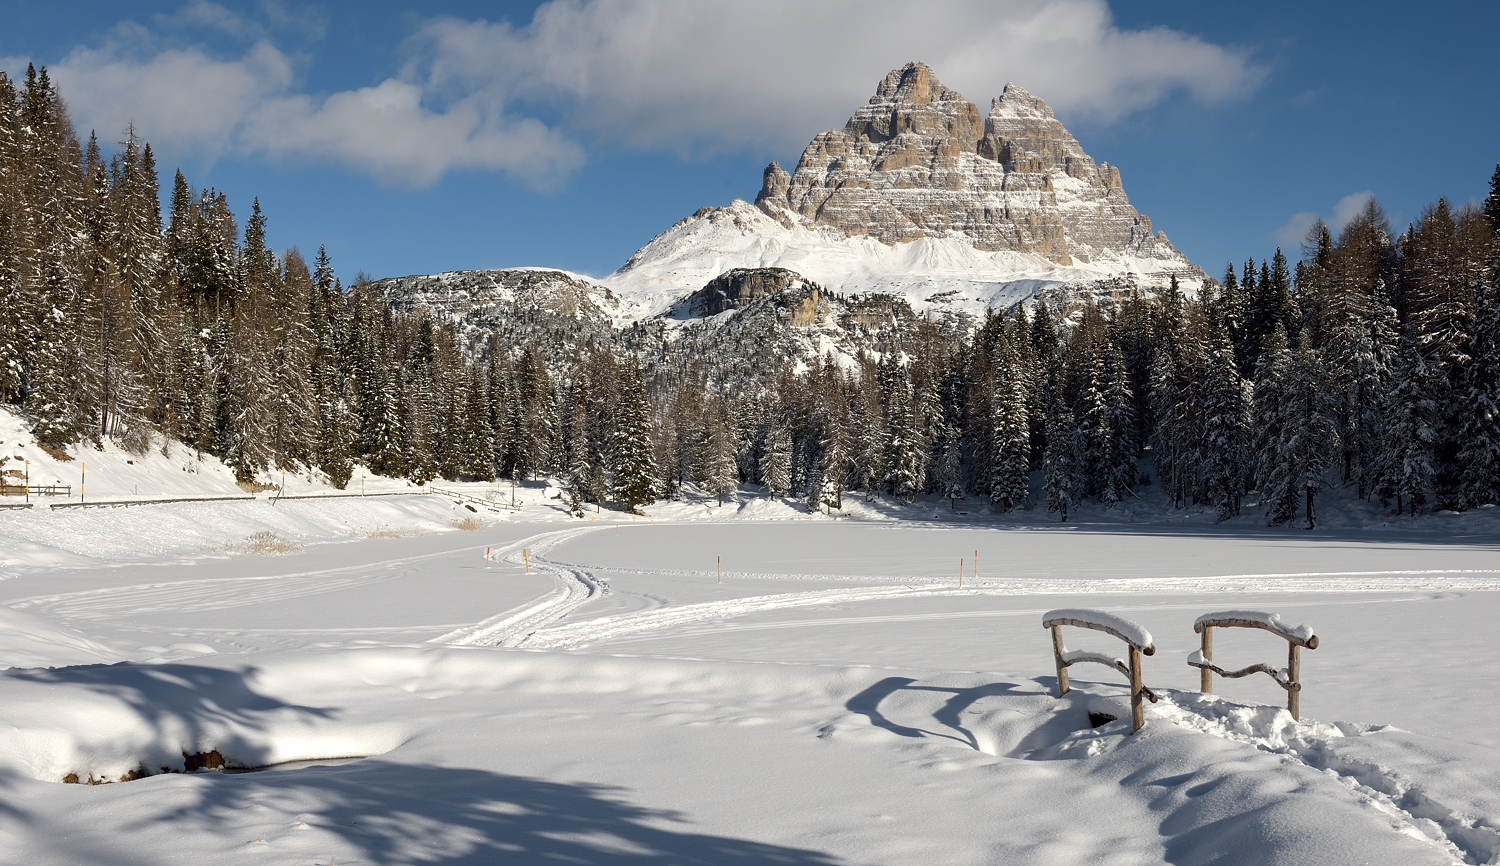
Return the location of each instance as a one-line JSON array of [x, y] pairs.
[[699, 76], [688, 76], [1295, 231], [184, 101]]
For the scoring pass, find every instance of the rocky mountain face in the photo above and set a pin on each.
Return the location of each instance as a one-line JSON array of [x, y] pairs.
[[920, 161], [919, 208], [555, 311]]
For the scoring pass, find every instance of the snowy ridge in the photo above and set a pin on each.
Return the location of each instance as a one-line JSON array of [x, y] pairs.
[[712, 241]]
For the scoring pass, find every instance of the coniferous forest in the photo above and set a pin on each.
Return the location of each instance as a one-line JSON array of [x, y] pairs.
[[1372, 363]]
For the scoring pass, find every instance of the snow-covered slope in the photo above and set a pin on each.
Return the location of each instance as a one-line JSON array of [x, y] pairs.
[[928, 273]]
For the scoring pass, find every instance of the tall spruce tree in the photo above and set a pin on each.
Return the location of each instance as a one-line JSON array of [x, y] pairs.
[[635, 476]]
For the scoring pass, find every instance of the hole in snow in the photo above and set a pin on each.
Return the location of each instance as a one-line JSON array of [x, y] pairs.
[[1099, 720]]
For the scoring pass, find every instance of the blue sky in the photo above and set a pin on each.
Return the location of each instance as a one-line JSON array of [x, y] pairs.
[[451, 135]]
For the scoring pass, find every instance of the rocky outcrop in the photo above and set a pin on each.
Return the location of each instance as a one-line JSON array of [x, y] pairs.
[[920, 161], [557, 312], [737, 288]]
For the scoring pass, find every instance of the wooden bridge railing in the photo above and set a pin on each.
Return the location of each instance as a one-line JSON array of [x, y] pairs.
[[1296, 636], [1136, 637]]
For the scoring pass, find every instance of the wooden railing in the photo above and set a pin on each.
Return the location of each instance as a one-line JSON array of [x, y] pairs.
[[1137, 638], [8, 489], [1296, 636]]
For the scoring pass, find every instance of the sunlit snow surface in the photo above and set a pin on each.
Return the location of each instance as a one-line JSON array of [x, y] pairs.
[[744, 684], [929, 273]]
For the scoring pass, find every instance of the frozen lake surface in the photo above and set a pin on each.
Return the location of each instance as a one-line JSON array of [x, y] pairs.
[[686, 691]]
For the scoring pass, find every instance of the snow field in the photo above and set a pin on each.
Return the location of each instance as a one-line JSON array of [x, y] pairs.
[[836, 699]]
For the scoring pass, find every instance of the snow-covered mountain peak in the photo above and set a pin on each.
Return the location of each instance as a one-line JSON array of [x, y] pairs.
[[920, 194]]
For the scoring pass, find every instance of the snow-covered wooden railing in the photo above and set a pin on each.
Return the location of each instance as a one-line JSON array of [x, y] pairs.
[[1133, 634], [1289, 678]]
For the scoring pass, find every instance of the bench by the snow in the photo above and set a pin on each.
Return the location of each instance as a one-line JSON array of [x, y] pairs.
[[1289, 678], [1132, 633]]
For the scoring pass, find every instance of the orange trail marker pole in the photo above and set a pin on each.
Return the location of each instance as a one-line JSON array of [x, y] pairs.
[[719, 568], [83, 477], [960, 572], [976, 566], [527, 554], [486, 557]]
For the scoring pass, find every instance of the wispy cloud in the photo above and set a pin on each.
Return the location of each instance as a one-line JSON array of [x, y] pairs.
[[691, 77], [1296, 229]]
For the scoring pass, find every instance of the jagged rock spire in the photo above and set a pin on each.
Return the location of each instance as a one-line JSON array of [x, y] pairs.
[[918, 160]]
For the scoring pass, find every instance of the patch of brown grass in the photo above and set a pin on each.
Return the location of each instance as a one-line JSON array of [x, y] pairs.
[[269, 544], [57, 454], [469, 524]]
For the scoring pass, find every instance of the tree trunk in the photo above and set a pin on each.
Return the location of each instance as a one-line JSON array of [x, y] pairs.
[[1309, 508]]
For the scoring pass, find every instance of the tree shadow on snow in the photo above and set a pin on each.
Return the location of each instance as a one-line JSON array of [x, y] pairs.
[[950, 715], [399, 813], [187, 697]]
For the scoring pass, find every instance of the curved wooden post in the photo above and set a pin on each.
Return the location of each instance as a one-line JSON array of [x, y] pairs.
[[1206, 675], [1057, 656]]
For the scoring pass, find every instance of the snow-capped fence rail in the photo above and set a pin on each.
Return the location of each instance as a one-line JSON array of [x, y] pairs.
[[1133, 634], [1289, 678], [127, 503], [35, 489], [481, 500]]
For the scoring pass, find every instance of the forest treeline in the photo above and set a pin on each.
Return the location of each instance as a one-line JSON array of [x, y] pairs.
[[1373, 362]]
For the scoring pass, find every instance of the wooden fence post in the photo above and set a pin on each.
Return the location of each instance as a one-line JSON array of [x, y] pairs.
[[1062, 668], [1294, 674], [1137, 710], [1206, 676]]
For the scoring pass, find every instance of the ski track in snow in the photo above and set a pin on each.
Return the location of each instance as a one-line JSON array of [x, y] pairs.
[[218, 593], [574, 586], [535, 625]]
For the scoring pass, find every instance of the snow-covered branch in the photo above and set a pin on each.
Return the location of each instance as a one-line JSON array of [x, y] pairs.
[[1281, 675]]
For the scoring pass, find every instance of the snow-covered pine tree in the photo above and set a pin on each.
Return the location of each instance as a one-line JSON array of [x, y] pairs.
[[1118, 466], [905, 453], [1408, 461], [1062, 462], [1225, 412], [48, 394], [1274, 476], [18, 314], [634, 464], [776, 457], [1309, 435], [869, 434], [1478, 403], [720, 471], [1492, 201], [477, 437], [1010, 449], [580, 446]]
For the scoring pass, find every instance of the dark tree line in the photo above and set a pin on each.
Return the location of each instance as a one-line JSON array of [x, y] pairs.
[[1372, 362]]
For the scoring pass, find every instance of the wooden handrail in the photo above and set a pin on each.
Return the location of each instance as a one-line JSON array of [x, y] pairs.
[[1135, 637], [1289, 678]]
